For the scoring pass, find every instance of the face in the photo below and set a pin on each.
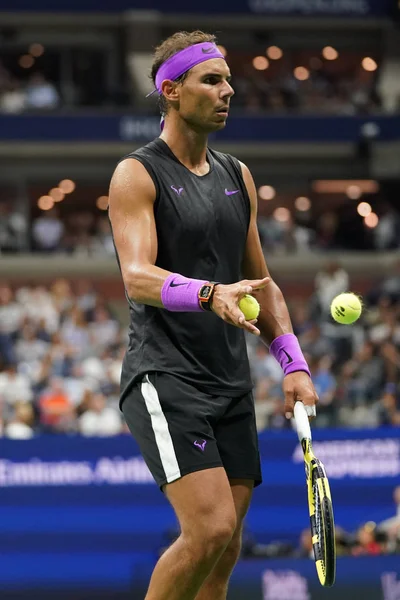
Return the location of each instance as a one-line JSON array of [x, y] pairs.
[[203, 97]]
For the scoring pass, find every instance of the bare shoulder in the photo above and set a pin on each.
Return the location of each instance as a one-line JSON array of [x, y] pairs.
[[130, 180], [249, 183]]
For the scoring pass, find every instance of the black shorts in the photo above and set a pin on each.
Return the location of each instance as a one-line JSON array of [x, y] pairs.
[[181, 429]]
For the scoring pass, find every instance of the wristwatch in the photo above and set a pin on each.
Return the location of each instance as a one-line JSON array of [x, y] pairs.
[[206, 293]]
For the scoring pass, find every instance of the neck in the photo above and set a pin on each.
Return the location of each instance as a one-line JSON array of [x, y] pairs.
[[189, 146]]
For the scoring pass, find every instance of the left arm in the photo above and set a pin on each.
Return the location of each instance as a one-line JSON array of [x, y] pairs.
[[274, 319]]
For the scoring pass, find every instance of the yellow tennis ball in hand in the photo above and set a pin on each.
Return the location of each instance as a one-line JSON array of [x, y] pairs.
[[346, 308], [249, 307]]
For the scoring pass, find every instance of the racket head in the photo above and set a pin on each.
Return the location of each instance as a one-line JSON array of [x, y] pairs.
[[321, 517]]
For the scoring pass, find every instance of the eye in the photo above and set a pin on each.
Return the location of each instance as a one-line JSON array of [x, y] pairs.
[[211, 80]]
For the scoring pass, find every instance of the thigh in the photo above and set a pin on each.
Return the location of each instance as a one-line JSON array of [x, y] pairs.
[[169, 419], [203, 502], [237, 440]]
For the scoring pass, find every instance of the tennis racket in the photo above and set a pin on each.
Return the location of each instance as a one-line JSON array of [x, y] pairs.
[[319, 502]]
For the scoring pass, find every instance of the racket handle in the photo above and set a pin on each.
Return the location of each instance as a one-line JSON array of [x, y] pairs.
[[302, 422]]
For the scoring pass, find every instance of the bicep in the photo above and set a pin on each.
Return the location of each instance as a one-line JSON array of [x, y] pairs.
[[131, 204], [253, 265]]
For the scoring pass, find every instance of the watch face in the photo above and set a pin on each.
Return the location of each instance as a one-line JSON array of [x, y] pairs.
[[205, 291]]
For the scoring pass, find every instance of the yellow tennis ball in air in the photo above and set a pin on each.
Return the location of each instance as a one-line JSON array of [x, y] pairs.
[[249, 307], [346, 308]]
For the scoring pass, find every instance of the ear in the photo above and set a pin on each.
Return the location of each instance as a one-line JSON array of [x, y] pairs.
[[169, 90]]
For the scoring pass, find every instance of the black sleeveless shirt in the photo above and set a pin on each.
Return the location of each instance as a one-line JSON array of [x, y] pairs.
[[202, 224]]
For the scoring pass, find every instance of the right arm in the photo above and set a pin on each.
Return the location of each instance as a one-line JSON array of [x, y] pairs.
[[131, 210]]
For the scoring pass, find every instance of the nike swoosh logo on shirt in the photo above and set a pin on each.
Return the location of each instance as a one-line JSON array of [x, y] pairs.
[[228, 193], [289, 358]]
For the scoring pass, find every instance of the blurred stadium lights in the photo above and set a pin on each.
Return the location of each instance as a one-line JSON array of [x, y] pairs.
[[341, 186], [67, 186], [302, 203], [369, 64], [26, 61], [301, 73], [266, 192], [57, 194], [45, 202], [330, 53], [274, 53], [102, 202], [36, 50], [364, 209], [260, 63], [354, 192], [371, 220], [281, 214]]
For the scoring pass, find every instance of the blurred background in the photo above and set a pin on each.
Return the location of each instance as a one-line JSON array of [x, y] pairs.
[[316, 117]]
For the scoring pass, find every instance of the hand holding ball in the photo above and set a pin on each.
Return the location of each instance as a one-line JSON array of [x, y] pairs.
[[346, 308], [249, 307]]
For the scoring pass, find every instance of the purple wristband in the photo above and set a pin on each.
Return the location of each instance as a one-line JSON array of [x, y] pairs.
[[286, 349], [181, 294]]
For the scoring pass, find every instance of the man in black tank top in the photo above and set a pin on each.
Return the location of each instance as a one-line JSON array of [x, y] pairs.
[[184, 225]]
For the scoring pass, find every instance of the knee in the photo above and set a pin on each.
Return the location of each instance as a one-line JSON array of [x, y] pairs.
[[213, 537], [232, 551]]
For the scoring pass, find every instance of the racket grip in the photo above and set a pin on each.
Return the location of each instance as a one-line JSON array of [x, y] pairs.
[[302, 422]]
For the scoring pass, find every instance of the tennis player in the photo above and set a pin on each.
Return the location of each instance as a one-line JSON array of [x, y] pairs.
[[184, 224]]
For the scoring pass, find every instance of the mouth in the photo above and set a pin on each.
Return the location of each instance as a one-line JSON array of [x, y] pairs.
[[224, 111]]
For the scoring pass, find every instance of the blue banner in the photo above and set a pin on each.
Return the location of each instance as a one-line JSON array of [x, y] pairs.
[[348, 8], [108, 128], [85, 512]]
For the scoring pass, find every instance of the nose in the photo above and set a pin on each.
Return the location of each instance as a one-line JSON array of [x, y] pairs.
[[228, 90]]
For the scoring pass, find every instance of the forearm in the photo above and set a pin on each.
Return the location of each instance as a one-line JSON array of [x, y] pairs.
[[144, 283], [274, 319], [172, 291]]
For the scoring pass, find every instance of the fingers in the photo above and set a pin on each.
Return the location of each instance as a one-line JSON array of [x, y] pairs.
[[259, 284], [248, 325], [289, 404]]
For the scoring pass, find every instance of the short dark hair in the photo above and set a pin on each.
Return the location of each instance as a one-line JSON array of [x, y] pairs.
[[175, 43]]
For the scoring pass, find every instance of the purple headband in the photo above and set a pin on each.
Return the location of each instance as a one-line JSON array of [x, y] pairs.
[[184, 60]]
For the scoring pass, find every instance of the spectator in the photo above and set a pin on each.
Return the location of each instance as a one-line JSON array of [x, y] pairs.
[[366, 543], [103, 329], [13, 228], [99, 419], [47, 231], [13, 98], [330, 281], [56, 409], [103, 243], [41, 94], [20, 426], [14, 387], [305, 548]]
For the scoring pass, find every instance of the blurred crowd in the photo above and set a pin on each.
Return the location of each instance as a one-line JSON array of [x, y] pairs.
[[61, 350], [33, 93], [324, 87], [61, 354], [82, 233], [346, 92], [87, 232], [354, 369], [370, 539]]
